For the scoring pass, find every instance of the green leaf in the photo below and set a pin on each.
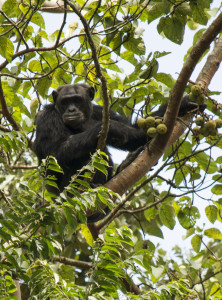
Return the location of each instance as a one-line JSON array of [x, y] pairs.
[[157, 272], [100, 167], [129, 56], [103, 196], [34, 106], [5, 236], [87, 234], [10, 8], [136, 46], [213, 233], [55, 168], [96, 39], [153, 229], [43, 86], [172, 28], [6, 48], [150, 71], [217, 189], [38, 20], [166, 79], [150, 213], [198, 12], [187, 216], [5, 144], [10, 226], [157, 10], [205, 162], [167, 216], [35, 66], [115, 42], [211, 213], [70, 217], [140, 92], [196, 242]]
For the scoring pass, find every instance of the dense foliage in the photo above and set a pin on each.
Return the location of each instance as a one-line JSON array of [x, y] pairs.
[[46, 246]]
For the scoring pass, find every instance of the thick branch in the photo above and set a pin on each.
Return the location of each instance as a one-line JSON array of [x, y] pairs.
[[177, 92], [211, 66], [124, 180]]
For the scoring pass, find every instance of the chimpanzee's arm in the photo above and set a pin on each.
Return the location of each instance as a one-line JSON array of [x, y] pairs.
[[53, 138], [185, 107], [129, 137]]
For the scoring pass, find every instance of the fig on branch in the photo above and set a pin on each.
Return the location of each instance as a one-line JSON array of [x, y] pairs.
[[141, 123], [196, 95], [204, 131], [218, 123], [211, 125], [196, 90], [214, 109], [150, 121], [209, 129], [161, 129], [199, 121], [196, 130], [192, 98], [158, 121], [200, 99], [152, 132], [213, 132]]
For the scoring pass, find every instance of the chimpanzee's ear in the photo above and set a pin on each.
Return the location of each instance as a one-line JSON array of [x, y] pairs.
[[91, 92], [54, 95]]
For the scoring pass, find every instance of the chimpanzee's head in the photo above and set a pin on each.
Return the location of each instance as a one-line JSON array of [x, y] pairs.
[[73, 102]]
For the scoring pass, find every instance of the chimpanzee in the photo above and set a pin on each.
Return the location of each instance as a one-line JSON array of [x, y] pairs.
[[68, 129]]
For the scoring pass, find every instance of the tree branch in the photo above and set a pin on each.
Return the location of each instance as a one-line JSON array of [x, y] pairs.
[[73, 262], [54, 6], [125, 179], [211, 66]]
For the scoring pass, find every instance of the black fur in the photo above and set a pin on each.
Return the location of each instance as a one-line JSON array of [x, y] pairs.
[[68, 129]]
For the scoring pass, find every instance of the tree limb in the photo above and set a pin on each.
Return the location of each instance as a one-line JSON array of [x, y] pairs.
[[73, 262], [125, 179], [211, 66]]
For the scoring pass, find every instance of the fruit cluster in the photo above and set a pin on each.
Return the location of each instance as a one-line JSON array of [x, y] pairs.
[[152, 126], [207, 128], [196, 95]]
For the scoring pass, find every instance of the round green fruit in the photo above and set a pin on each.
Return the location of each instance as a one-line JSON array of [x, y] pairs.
[[192, 98], [204, 131], [158, 121], [200, 99], [214, 109], [150, 121], [213, 132], [152, 132], [199, 121], [196, 130], [218, 123], [141, 123], [161, 129], [196, 90], [211, 125]]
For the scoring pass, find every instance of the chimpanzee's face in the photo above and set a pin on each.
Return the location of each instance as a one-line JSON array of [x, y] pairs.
[[73, 102]]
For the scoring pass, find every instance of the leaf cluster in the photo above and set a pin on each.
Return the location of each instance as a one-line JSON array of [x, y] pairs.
[[44, 239]]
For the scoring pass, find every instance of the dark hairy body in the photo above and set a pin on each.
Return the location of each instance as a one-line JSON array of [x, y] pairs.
[[68, 129]]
